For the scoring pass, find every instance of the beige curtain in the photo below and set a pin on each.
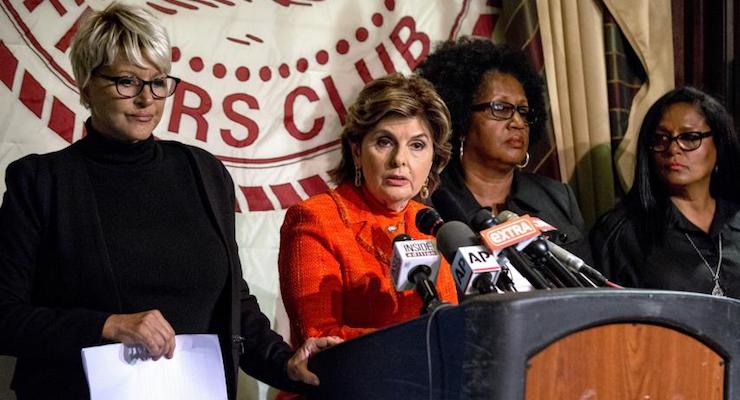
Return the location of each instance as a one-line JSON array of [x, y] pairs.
[[648, 28], [573, 47]]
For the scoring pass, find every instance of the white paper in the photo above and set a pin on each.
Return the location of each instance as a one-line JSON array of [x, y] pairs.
[[120, 372]]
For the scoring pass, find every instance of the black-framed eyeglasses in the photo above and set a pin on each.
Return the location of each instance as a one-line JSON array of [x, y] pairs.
[[131, 86], [687, 141], [502, 110]]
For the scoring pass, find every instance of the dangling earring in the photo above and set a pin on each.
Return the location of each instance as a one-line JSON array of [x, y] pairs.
[[525, 163], [424, 193], [716, 168], [358, 176], [462, 144]]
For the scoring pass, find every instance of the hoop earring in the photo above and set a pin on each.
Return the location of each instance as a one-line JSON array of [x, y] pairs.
[[424, 193], [358, 176], [525, 163], [462, 144]]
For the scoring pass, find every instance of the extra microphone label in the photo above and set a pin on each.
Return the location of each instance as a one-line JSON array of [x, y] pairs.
[[509, 233]]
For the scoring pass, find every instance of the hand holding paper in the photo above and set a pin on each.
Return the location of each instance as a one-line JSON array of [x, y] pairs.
[[123, 372]]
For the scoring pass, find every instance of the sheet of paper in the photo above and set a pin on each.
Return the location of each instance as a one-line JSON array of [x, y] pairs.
[[120, 372]]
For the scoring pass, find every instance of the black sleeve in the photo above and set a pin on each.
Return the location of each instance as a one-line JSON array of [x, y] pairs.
[[264, 352], [616, 249], [28, 329]]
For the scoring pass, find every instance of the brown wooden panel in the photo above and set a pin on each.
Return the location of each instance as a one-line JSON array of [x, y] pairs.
[[626, 361]]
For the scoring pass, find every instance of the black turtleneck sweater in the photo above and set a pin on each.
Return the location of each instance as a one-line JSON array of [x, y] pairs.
[[163, 246]]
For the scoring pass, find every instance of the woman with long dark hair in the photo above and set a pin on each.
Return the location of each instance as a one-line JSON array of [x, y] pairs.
[[678, 227]]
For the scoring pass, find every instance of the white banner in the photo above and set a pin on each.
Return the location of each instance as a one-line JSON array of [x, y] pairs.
[[266, 85]]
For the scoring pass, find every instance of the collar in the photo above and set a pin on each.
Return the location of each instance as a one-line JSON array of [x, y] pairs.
[[522, 195], [103, 150], [726, 213], [359, 214]]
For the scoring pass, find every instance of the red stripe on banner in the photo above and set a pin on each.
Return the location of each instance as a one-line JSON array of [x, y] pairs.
[[161, 9], [8, 65], [286, 194], [181, 4], [32, 94], [64, 43], [257, 199], [237, 208], [62, 120], [313, 185], [32, 4], [484, 25]]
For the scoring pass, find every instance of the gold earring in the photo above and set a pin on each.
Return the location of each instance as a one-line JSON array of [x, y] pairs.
[[358, 176], [424, 193]]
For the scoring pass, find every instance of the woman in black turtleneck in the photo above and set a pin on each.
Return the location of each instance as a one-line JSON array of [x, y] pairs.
[[121, 238]]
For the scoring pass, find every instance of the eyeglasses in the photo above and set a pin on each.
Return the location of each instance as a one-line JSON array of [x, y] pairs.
[[131, 86], [687, 141], [501, 111]]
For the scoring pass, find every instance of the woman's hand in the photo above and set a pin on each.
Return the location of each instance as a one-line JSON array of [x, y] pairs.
[[148, 328], [298, 364]]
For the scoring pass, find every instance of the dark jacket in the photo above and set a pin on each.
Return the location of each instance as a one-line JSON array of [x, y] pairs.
[[57, 287], [552, 201], [673, 263]]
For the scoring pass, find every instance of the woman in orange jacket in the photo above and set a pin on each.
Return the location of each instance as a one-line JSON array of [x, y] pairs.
[[336, 248]]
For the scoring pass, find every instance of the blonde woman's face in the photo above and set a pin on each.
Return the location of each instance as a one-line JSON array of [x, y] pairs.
[[396, 157], [119, 118]]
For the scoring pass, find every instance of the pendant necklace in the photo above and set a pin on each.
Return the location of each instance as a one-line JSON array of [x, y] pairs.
[[717, 290]]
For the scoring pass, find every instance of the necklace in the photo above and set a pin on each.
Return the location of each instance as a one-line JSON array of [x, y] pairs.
[[717, 290]]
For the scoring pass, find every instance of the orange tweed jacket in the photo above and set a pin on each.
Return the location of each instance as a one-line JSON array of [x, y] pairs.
[[335, 267]]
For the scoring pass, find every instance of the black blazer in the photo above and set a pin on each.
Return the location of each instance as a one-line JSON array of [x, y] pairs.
[[57, 287], [552, 201]]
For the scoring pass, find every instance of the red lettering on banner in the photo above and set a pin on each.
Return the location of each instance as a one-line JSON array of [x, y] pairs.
[[32, 94], [197, 112], [252, 128], [289, 109], [362, 70], [336, 101], [257, 200], [8, 65], [385, 59], [313, 185], [405, 47], [286, 194], [62, 120]]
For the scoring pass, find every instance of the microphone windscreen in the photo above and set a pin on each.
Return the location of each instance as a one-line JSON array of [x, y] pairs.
[[505, 215], [482, 220], [402, 237], [453, 235], [428, 221]]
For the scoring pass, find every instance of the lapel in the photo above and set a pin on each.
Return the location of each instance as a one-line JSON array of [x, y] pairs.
[[357, 215]]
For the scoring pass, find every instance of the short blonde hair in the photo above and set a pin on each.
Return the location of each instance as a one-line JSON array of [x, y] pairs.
[[396, 96], [119, 28]]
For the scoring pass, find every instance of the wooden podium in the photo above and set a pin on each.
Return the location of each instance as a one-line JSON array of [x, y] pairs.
[[557, 344]]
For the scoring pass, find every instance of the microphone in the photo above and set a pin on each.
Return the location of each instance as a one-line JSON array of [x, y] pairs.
[[415, 264], [474, 269], [567, 258], [501, 238], [429, 221]]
